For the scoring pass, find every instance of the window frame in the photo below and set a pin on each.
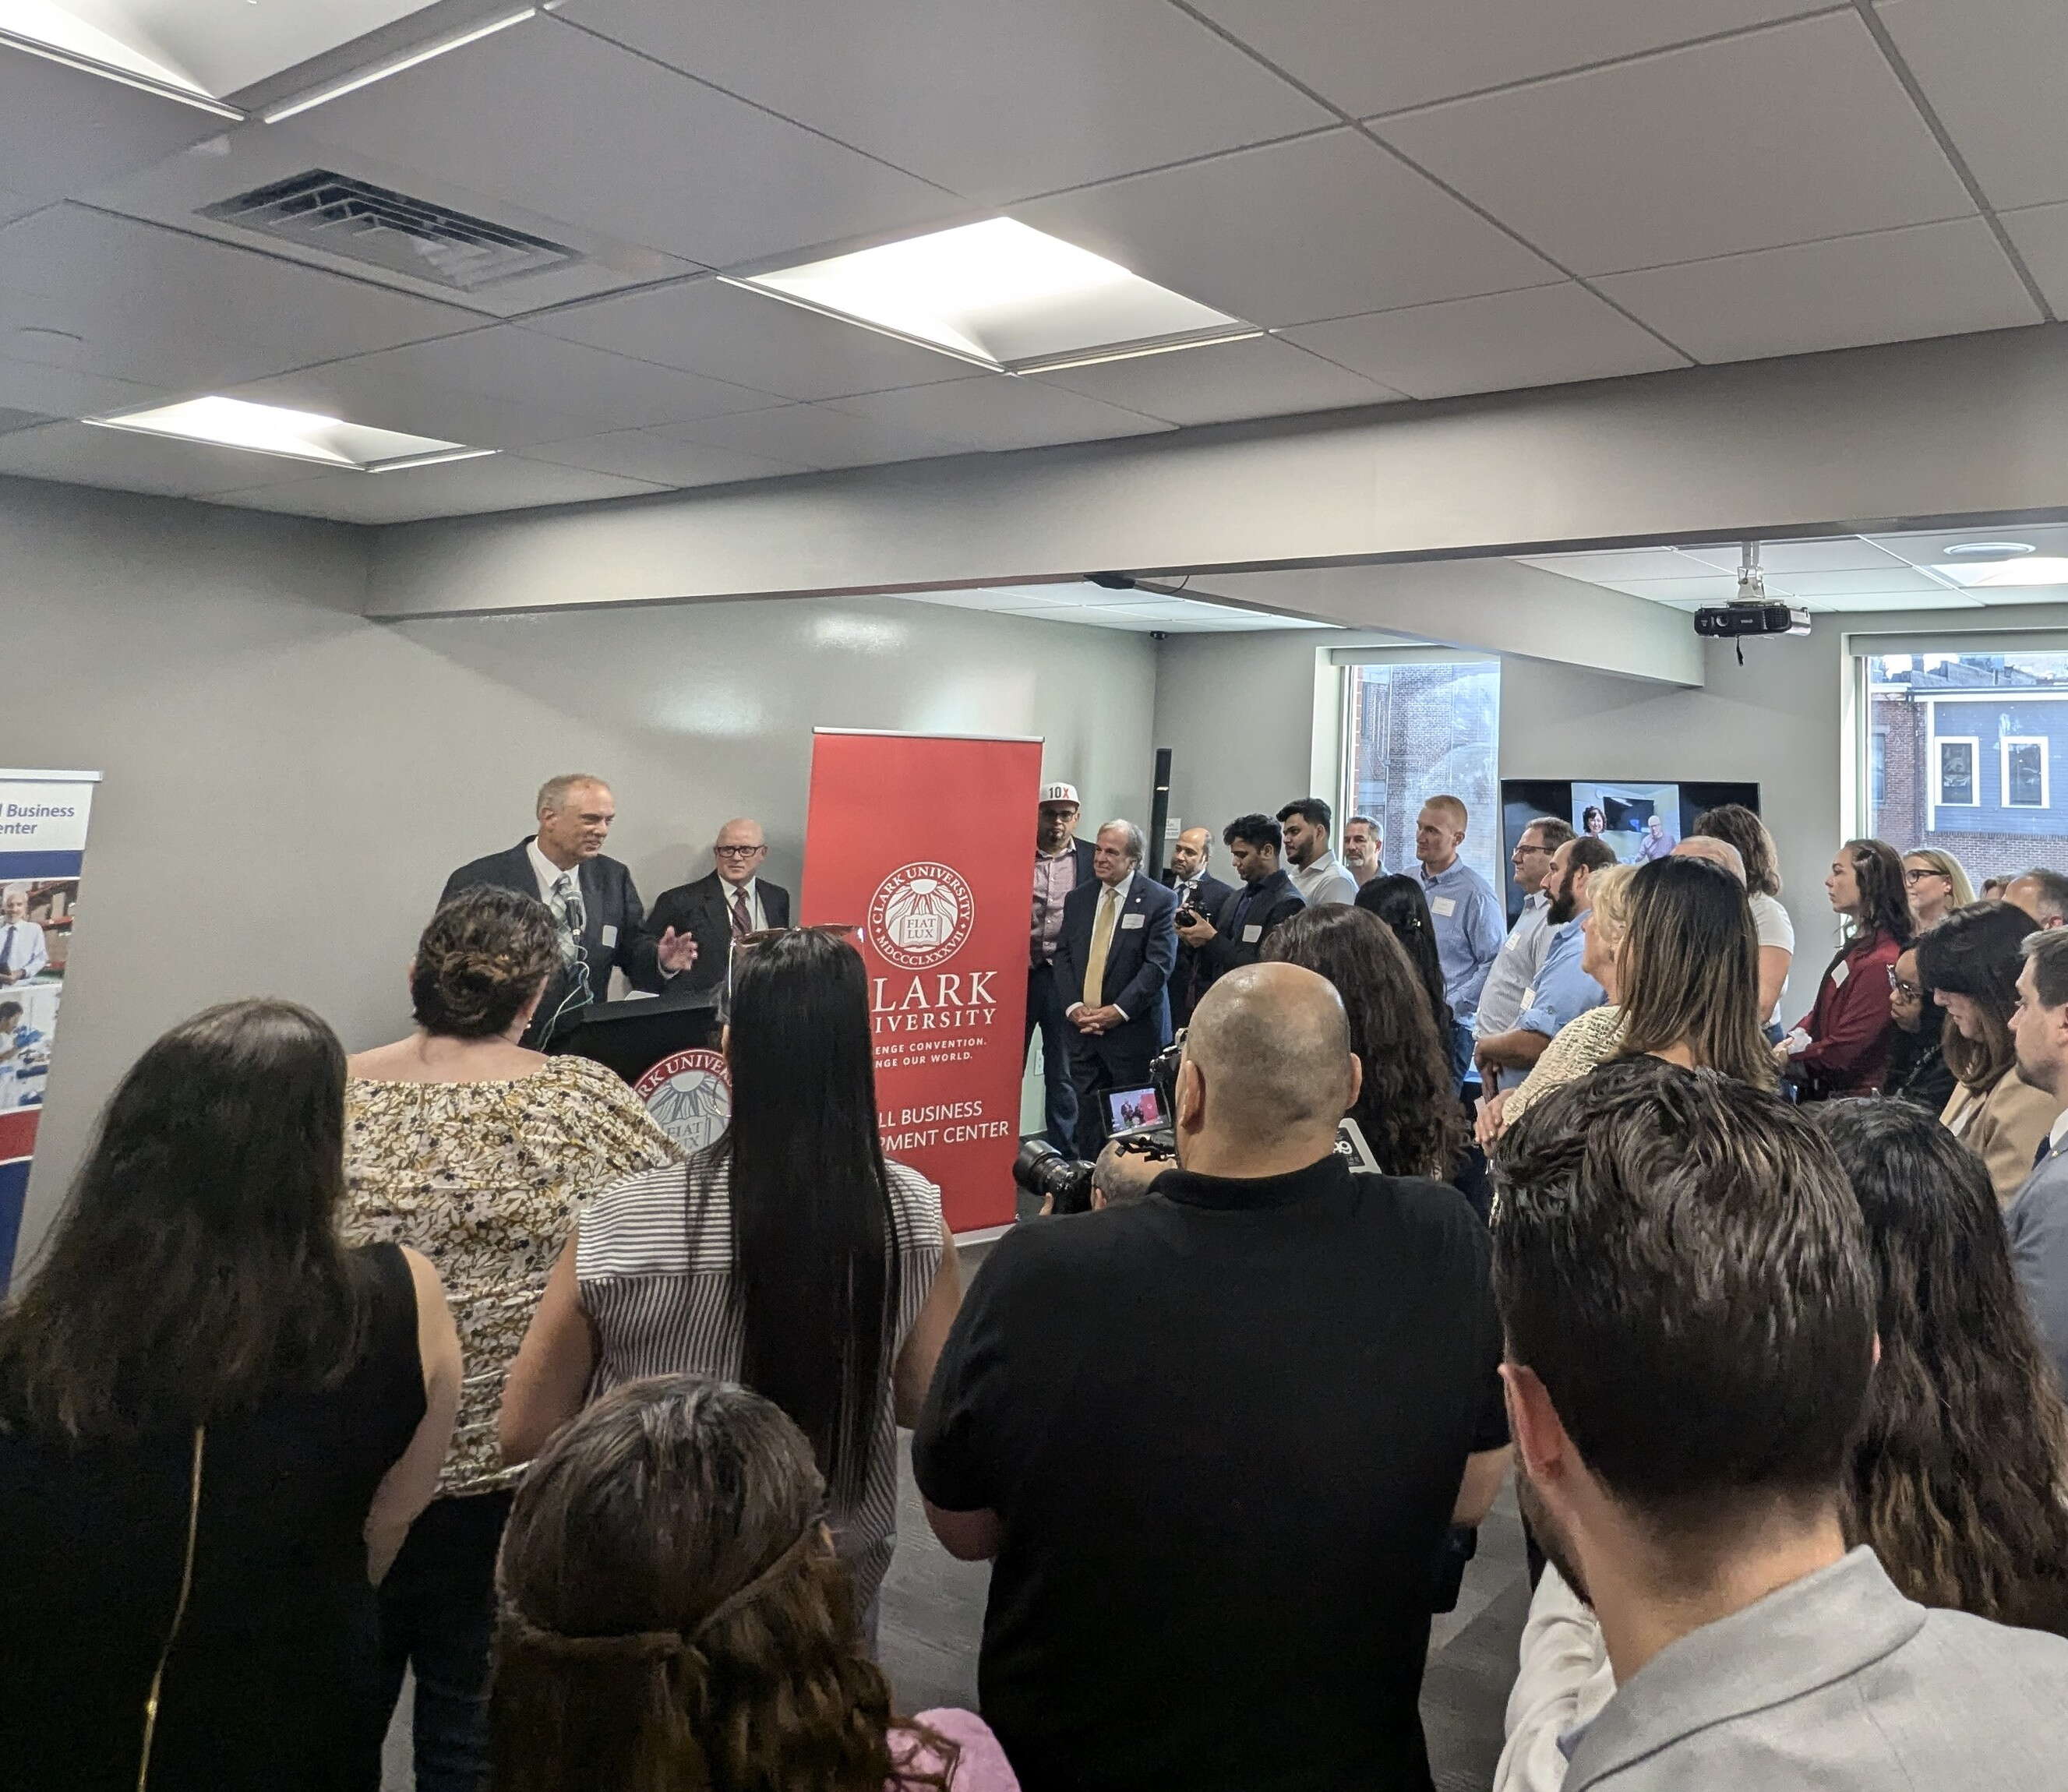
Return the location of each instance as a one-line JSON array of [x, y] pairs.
[[1940, 744], [2003, 744]]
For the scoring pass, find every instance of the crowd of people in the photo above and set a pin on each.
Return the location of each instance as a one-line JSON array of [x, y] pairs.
[[445, 1357]]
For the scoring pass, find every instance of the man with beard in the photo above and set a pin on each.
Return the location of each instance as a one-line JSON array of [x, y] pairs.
[[1683, 1277], [1561, 991]]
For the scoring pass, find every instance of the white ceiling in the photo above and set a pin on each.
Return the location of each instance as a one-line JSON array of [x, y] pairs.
[[1417, 200], [1834, 573], [1139, 612]]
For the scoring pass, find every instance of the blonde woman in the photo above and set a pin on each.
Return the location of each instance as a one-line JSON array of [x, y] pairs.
[[1684, 987], [1936, 885]]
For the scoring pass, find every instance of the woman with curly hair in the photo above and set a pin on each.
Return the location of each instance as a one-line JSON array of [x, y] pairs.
[[1407, 1108], [463, 1144], [672, 1617]]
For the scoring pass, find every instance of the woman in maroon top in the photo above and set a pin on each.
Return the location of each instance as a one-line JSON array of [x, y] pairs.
[[1841, 1046]]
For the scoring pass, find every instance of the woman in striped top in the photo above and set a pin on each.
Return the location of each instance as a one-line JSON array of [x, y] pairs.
[[790, 1256]]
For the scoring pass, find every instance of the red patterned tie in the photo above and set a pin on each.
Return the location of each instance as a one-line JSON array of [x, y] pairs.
[[743, 922]]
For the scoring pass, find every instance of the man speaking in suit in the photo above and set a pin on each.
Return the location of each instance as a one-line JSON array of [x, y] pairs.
[[728, 903], [1112, 960], [602, 926], [1198, 891]]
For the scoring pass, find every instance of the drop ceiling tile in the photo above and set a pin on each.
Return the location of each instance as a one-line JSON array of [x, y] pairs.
[[1719, 588], [2041, 237], [1324, 227], [81, 454], [1817, 587], [66, 391], [1264, 376], [996, 411], [731, 334], [1786, 135], [63, 130], [566, 125], [1621, 563], [18, 205], [172, 310], [994, 99], [642, 454], [1892, 286], [1991, 69], [460, 488], [1939, 599], [1838, 554], [1545, 336], [1369, 60], [11, 420], [812, 436]]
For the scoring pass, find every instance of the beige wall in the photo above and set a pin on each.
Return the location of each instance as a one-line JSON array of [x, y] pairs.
[[288, 784]]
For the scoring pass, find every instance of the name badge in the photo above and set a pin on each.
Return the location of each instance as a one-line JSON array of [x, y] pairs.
[[1443, 905], [1252, 933], [1839, 972], [1530, 998], [610, 936], [1128, 922]]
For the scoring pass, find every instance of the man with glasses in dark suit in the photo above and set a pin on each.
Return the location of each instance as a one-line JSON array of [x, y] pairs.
[[602, 923], [730, 901]]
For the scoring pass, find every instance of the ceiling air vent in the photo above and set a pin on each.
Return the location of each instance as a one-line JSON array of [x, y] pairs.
[[366, 223]]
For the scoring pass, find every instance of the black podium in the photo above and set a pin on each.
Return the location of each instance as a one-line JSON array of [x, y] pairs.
[[632, 1037]]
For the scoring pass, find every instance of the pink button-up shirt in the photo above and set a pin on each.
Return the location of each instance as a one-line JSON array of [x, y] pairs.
[[1055, 877]]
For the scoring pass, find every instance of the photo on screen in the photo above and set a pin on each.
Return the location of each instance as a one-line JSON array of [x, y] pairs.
[[1639, 819], [35, 936], [1637, 822], [1127, 1109]]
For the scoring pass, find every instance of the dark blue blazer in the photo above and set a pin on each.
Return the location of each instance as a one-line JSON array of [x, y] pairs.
[[610, 902], [1137, 961]]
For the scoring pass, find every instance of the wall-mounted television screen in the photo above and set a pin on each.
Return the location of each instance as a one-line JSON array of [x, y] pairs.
[[1640, 819]]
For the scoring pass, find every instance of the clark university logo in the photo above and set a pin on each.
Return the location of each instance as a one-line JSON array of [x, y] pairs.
[[689, 1097], [921, 915]]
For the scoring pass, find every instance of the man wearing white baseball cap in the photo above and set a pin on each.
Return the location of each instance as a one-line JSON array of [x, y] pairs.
[[1061, 863]]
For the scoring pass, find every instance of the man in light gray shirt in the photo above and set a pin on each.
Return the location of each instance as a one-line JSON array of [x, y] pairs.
[[2037, 1218], [1521, 953], [1684, 1282], [1316, 872]]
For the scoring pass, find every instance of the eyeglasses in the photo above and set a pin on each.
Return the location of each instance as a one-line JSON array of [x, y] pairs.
[[1911, 877], [1526, 847], [738, 852], [1909, 991]]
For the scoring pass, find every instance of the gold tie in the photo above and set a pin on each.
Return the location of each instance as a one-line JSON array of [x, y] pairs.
[[1101, 938]]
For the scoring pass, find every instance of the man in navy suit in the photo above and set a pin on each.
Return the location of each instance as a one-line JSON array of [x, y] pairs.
[[733, 899], [603, 927], [1112, 961], [1062, 863]]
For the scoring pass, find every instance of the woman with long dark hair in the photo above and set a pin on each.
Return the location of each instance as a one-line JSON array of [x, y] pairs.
[[672, 1618], [791, 1255], [1400, 903], [1969, 962], [217, 1423], [1841, 1046], [1407, 1108], [462, 1144], [1957, 1475]]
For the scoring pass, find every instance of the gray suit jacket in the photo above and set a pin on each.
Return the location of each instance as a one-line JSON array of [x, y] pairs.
[[1837, 1684], [2036, 1221]]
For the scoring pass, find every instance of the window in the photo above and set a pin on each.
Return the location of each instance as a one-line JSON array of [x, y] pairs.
[[1878, 771], [1956, 773], [2024, 771], [1419, 728]]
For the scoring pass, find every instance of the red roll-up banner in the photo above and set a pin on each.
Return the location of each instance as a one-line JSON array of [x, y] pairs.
[[921, 841]]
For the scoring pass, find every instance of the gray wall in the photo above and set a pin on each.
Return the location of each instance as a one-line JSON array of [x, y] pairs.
[[288, 784]]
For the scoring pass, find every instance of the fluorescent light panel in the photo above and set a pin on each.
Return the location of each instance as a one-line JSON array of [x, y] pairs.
[[1000, 294], [118, 64], [292, 434], [2038, 570], [380, 71]]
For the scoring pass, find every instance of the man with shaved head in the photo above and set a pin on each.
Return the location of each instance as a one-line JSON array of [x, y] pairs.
[[730, 901], [1222, 1429]]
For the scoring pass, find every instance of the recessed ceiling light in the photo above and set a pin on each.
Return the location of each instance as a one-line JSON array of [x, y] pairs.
[[1002, 295], [296, 435], [58, 36], [1987, 550], [2042, 569]]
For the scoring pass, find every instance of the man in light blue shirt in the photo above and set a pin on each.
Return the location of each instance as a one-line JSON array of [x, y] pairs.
[[1522, 952], [1562, 992], [1462, 904]]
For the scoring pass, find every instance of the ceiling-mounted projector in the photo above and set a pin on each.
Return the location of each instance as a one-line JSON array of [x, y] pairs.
[[1752, 612]]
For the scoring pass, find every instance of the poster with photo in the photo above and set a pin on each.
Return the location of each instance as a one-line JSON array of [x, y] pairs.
[[43, 850], [1638, 822]]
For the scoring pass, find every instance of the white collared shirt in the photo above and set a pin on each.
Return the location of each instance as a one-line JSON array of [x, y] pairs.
[[1324, 882], [548, 873], [26, 951], [2058, 1137]]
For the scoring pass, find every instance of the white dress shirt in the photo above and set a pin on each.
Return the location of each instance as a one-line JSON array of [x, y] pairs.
[[548, 873], [21, 945], [1119, 908], [1325, 881]]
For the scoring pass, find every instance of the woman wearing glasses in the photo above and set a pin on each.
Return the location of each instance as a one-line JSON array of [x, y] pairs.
[[1917, 1069], [1936, 885], [791, 1255]]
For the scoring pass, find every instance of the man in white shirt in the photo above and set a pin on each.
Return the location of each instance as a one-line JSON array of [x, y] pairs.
[[1521, 953], [1314, 869], [23, 951]]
